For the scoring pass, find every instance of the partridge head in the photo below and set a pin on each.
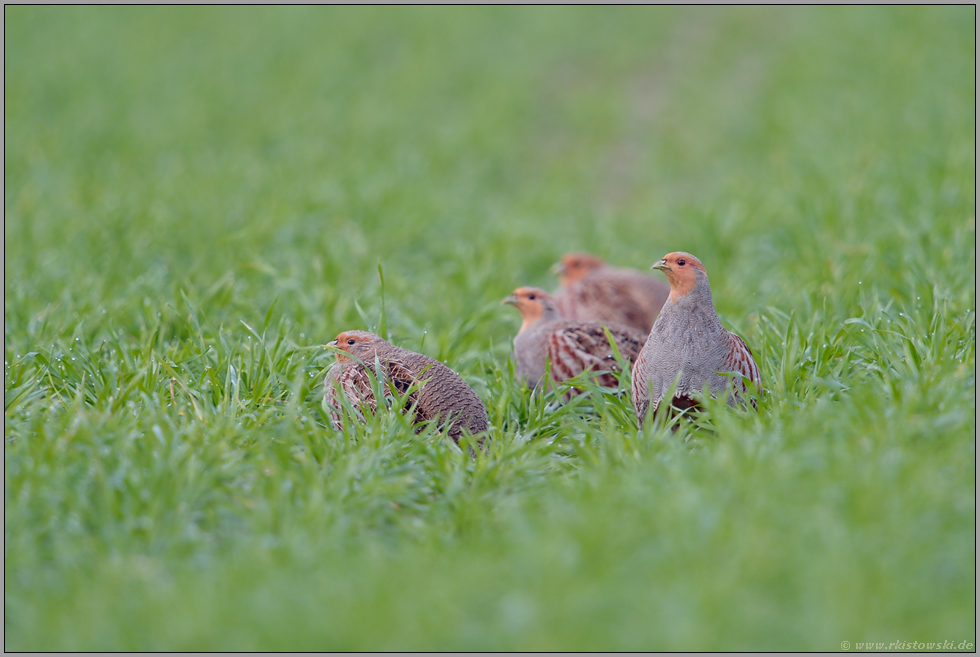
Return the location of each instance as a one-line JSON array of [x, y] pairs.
[[359, 344], [683, 272], [575, 266], [534, 305]]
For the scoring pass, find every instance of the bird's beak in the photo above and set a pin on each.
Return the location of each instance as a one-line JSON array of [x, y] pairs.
[[510, 300], [662, 265], [558, 269], [332, 343]]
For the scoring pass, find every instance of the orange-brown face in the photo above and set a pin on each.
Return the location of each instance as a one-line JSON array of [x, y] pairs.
[[531, 302], [681, 270], [575, 266], [355, 343]]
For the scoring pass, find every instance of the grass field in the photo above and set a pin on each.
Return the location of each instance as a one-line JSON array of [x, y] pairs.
[[196, 200]]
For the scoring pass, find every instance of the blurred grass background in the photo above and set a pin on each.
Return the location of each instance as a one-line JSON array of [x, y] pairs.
[[195, 199]]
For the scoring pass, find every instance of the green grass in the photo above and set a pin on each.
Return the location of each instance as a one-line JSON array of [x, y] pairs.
[[195, 200]]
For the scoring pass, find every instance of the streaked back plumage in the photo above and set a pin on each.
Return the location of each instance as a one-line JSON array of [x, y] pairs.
[[597, 291], [571, 346]]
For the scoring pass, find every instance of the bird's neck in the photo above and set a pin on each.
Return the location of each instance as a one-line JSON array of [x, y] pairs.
[[534, 321], [696, 299]]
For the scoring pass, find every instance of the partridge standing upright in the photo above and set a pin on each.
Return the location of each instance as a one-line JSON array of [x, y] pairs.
[[591, 289], [441, 394], [573, 346], [689, 344]]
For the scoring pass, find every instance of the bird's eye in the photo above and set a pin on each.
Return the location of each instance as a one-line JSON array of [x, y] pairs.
[[351, 341], [531, 296], [682, 262]]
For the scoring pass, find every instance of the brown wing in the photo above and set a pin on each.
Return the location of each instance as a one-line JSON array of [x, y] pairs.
[[330, 402], [739, 359], [640, 387], [599, 298], [446, 397], [357, 385], [625, 299], [621, 296], [404, 381], [581, 347]]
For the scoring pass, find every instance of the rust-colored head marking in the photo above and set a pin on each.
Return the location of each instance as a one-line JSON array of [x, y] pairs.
[[356, 343], [683, 272], [533, 303], [575, 266]]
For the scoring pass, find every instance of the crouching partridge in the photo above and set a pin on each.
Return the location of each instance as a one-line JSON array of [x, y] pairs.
[[440, 395], [689, 344], [572, 346], [591, 289]]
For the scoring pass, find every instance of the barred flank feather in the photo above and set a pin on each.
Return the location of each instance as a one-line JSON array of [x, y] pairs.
[[571, 346]]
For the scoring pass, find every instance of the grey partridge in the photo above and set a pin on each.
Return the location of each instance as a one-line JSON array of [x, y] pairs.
[[573, 346], [591, 289], [435, 392], [689, 344]]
